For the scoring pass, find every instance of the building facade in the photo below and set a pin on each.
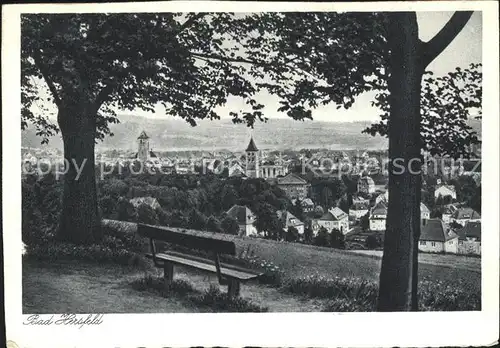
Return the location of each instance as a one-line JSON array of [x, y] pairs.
[[469, 239], [378, 217], [287, 220], [294, 186], [435, 237], [445, 190], [334, 218], [462, 216], [366, 185], [245, 218], [358, 210], [143, 147], [252, 160]]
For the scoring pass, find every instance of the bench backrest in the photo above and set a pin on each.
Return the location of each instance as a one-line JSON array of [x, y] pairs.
[[172, 236]]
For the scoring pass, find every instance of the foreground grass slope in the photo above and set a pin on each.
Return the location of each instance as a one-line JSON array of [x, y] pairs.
[[299, 260], [312, 279]]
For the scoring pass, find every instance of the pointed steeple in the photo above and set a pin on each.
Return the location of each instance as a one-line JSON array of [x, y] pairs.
[[143, 135], [251, 146]]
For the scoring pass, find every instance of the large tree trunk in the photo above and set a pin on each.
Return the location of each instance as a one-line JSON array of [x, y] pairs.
[[398, 277], [80, 222]]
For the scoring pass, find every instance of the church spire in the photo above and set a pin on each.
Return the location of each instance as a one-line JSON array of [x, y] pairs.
[[251, 146]]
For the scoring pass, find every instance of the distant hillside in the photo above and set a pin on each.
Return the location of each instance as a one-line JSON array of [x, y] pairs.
[[175, 134], [171, 134]]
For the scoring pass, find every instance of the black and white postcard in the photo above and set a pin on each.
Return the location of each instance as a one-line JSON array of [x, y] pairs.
[[251, 174]]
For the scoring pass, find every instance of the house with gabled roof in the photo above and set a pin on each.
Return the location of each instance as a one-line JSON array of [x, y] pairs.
[[469, 238], [378, 216], [445, 190], [425, 213], [383, 197], [307, 204], [287, 220], [237, 170], [366, 185], [437, 238], [358, 210], [447, 212], [334, 218], [294, 186], [245, 219], [358, 199], [464, 215], [150, 201]]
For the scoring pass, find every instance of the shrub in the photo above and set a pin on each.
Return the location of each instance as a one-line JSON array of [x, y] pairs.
[[156, 284], [353, 289], [336, 239], [439, 296], [146, 214], [292, 234], [56, 251], [354, 294], [308, 235], [373, 241], [272, 275], [213, 224], [322, 238], [221, 302], [213, 298], [230, 225], [126, 211], [108, 205], [347, 305]]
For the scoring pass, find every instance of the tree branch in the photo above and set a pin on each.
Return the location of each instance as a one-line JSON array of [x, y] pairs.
[[434, 47], [190, 21], [45, 74], [229, 59], [104, 94]]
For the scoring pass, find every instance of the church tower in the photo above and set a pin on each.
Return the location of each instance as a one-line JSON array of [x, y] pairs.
[[143, 143], [252, 160]]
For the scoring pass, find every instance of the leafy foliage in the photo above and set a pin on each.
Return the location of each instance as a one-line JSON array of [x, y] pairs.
[[337, 239], [447, 103], [191, 63], [322, 238]]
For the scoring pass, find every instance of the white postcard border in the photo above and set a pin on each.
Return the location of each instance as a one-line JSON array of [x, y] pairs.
[[268, 329]]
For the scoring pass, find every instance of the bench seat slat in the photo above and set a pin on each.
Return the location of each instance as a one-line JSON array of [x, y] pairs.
[[207, 265], [202, 259]]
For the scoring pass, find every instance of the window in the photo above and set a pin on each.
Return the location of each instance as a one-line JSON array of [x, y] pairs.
[[433, 243], [422, 242]]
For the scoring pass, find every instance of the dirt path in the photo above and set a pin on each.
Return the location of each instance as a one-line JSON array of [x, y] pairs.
[[69, 287]]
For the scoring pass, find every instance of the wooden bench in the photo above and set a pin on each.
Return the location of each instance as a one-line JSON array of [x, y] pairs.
[[230, 275]]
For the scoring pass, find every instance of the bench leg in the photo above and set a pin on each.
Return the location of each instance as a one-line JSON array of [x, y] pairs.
[[233, 288], [168, 274]]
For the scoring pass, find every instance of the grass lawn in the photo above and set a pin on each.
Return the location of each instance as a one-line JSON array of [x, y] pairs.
[[297, 260], [79, 287]]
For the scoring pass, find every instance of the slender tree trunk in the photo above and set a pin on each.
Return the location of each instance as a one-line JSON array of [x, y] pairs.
[[80, 222], [398, 277]]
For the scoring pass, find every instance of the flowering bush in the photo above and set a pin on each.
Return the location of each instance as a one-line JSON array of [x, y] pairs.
[[272, 275], [352, 289], [109, 251], [350, 294], [213, 298], [220, 301], [439, 296]]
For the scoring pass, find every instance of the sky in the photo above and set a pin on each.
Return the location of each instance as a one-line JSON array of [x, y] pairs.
[[466, 48]]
